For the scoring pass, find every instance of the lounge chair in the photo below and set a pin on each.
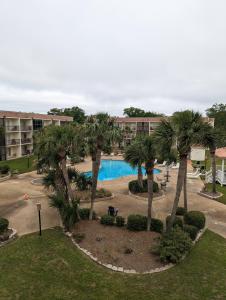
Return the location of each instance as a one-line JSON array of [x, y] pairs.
[[176, 166], [163, 164], [194, 175], [155, 161]]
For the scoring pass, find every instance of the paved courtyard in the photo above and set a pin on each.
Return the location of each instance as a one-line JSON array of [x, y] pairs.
[[22, 214]]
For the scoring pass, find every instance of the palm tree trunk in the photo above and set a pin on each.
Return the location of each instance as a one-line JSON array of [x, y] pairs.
[[180, 181], [140, 175], [68, 185], [95, 171], [185, 187], [213, 162], [150, 197]]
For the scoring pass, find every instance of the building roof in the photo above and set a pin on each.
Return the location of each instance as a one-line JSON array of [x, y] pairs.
[[221, 153], [138, 119], [24, 115]]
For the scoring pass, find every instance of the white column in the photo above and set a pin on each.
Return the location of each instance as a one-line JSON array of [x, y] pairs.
[[222, 175]]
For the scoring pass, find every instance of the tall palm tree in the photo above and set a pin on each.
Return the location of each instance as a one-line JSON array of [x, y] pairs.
[[149, 154], [181, 131], [209, 139], [101, 134], [134, 156], [52, 145]]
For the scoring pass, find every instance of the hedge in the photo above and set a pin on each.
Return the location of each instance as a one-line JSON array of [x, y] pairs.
[[134, 187], [195, 218]]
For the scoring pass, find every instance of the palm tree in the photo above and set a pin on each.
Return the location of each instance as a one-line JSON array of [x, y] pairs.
[[181, 131], [134, 156], [101, 134], [149, 154], [52, 145]]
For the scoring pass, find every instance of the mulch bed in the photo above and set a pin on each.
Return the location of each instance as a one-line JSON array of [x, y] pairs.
[[109, 243], [145, 195]]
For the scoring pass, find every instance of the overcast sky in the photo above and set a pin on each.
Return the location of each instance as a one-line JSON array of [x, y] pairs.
[[105, 55]]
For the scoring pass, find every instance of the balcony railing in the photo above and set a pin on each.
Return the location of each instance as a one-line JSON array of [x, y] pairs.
[[12, 128], [26, 141], [13, 142], [26, 128]]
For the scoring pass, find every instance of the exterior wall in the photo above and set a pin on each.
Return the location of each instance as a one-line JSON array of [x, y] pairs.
[[16, 139]]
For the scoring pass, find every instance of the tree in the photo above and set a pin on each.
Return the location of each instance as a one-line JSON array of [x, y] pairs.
[[52, 145], [101, 134], [77, 113], [137, 112], [218, 112], [134, 156], [149, 152], [182, 130]]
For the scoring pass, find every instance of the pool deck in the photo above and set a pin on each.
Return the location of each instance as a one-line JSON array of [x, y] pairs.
[[23, 216]]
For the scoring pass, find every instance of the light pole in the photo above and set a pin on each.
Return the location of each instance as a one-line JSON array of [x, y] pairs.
[[39, 217]]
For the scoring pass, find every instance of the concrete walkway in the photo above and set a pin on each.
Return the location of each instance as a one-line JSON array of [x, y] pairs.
[[23, 216]]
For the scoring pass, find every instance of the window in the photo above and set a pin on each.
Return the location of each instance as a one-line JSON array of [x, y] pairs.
[[37, 124]]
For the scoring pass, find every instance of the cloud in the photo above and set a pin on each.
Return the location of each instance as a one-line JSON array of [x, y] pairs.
[[107, 55]]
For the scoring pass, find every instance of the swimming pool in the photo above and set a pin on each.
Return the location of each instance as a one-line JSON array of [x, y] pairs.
[[113, 169]]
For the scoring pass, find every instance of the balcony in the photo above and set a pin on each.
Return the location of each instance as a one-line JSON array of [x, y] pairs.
[[26, 128], [13, 142], [12, 128], [27, 152], [26, 141]]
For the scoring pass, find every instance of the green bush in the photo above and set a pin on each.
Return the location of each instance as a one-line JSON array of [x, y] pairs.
[[195, 218], [134, 187], [173, 246], [120, 221], [4, 223], [4, 169], [84, 213], [177, 221], [107, 220], [136, 222], [181, 211], [156, 225], [191, 230], [102, 193]]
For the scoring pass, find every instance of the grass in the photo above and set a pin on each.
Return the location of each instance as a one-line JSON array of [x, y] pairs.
[[22, 164], [50, 267], [221, 189]]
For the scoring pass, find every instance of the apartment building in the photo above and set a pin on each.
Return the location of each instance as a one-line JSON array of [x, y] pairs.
[[17, 129], [134, 126]]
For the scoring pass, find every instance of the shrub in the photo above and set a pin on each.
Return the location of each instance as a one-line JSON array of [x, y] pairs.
[[107, 220], [181, 211], [134, 187], [84, 213], [173, 246], [4, 169], [136, 222], [120, 221], [177, 221], [4, 223], [191, 230], [102, 193], [128, 251], [79, 237], [156, 225], [195, 218]]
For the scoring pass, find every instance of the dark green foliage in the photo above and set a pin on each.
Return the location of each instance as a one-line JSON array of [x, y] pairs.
[[177, 221], [134, 187], [173, 246], [4, 169], [191, 230], [137, 112], [120, 221], [181, 211], [102, 193], [128, 251], [79, 237], [84, 213], [136, 222], [4, 223], [195, 218], [156, 225], [107, 220], [82, 181]]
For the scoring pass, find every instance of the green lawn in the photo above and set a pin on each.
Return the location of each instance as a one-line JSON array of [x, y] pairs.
[[221, 189], [22, 164], [50, 267]]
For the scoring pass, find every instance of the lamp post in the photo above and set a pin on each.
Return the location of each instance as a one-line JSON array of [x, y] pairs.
[[39, 217]]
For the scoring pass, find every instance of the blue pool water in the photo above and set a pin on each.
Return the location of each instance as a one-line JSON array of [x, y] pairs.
[[112, 169]]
